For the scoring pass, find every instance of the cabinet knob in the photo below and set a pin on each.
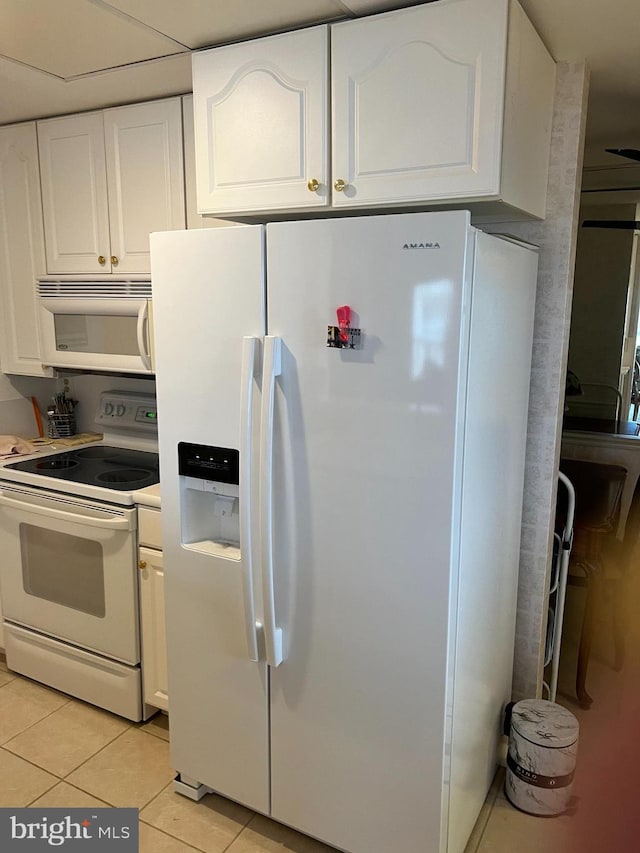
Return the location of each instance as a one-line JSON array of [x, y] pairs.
[[142, 564], [114, 261], [313, 185], [102, 260], [340, 185]]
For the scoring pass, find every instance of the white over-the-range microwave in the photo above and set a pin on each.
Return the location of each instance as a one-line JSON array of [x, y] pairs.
[[102, 325]]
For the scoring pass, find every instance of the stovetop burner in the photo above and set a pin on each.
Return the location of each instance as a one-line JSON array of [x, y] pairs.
[[110, 467], [56, 464], [98, 452]]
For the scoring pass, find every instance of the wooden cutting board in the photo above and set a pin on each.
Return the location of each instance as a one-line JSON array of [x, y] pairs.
[[78, 438]]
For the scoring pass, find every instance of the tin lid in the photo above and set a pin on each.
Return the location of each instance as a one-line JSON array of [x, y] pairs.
[[544, 723]]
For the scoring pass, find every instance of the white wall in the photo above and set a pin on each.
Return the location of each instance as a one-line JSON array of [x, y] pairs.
[[22, 388]]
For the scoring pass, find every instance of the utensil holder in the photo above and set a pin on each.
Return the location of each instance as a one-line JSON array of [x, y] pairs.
[[61, 426]]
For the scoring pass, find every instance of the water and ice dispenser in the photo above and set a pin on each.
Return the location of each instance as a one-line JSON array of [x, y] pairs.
[[209, 490]]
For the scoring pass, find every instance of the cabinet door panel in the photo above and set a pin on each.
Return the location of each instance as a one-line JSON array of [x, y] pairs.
[[22, 256], [74, 194], [261, 123], [418, 103], [194, 219], [145, 175], [154, 641], [419, 142]]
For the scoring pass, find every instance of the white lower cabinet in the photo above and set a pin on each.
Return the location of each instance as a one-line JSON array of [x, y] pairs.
[[152, 624]]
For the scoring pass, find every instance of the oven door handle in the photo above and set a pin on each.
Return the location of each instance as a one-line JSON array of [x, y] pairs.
[[112, 523]]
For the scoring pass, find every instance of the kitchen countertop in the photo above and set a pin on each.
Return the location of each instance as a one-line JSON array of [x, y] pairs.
[[148, 497]]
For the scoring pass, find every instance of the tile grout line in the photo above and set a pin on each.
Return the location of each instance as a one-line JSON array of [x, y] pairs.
[[177, 838], [172, 837], [142, 727], [131, 727], [32, 764], [46, 716], [236, 837], [80, 790]]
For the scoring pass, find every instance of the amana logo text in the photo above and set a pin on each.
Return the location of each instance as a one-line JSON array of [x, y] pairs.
[[421, 246]]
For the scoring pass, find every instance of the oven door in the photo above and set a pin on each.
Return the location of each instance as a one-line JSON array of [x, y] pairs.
[[96, 334], [68, 570]]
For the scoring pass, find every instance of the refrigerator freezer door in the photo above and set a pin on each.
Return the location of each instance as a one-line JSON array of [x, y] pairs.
[[502, 315], [363, 490], [208, 290]]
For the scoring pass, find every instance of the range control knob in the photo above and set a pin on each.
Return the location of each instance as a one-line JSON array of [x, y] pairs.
[[108, 408]]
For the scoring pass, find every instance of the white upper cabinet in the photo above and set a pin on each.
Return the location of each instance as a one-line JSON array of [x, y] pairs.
[[145, 178], [450, 101], [22, 257], [74, 194], [109, 179], [261, 129], [417, 103], [194, 219]]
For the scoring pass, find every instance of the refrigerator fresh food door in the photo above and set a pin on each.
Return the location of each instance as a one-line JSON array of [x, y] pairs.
[[364, 489], [209, 317]]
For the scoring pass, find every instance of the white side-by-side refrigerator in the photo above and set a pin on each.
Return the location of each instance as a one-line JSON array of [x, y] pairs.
[[342, 410]]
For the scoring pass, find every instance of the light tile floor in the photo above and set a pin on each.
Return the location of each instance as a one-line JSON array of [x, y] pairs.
[[59, 752], [56, 751]]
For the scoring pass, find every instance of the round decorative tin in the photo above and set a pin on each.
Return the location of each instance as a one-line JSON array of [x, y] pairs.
[[541, 760]]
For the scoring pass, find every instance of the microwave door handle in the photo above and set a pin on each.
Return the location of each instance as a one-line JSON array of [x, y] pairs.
[[143, 339]]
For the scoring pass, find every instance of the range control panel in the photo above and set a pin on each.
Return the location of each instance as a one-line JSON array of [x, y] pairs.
[[128, 410]]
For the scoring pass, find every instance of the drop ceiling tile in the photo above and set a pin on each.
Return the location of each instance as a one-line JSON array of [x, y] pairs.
[[72, 37], [28, 94], [199, 23]]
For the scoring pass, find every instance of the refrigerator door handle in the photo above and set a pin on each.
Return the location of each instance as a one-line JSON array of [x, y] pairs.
[[247, 545], [271, 369]]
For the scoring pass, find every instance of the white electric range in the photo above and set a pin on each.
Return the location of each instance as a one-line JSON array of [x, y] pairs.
[[68, 536]]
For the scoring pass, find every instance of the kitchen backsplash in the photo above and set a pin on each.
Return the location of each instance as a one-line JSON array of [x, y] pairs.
[[86, 390]]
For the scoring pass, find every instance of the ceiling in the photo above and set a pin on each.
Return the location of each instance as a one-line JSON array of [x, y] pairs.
[[73, 55]]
